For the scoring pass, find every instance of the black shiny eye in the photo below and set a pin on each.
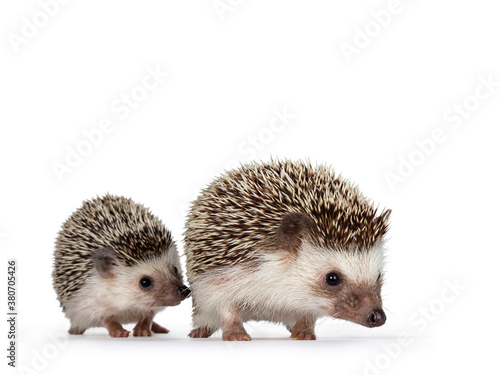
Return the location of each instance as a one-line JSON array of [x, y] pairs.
[[332, 279], [175, 270], [145, 283], [378, 278]]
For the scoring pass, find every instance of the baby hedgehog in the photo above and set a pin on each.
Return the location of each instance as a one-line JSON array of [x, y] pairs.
[[283, 242], [115, 263]]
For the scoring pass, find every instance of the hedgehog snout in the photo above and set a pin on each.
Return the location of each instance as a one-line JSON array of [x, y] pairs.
[[376, 318], [184, 291]]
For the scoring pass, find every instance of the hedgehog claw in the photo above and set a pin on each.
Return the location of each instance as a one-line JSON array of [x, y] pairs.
[[303, 336], [236, 336], [142, 333], [119, 333], [202, 333]]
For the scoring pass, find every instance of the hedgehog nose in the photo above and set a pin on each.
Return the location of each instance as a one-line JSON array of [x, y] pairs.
[[376, 318], [184, 291]]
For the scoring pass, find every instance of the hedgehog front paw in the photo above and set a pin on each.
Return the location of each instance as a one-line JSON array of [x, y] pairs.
[[303, 330], [200, 333], [120, 332], [236, 336], [140, 332], [303, 336]]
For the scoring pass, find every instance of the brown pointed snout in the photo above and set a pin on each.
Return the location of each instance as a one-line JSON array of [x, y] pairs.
[[376, 318], [184, 291]]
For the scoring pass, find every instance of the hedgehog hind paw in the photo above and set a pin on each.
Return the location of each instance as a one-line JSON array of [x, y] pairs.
[[74, 330]]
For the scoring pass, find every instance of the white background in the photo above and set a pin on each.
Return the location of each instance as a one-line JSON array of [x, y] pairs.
[[229, 72]]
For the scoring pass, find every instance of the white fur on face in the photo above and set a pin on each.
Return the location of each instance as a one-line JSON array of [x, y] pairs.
[[121, 296], [280, 288], [358, 267]]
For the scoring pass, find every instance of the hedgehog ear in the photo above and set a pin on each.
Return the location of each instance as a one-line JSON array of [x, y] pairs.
[[386, 215], [383, 219], [104, 261], [292, 230], [382, 224]]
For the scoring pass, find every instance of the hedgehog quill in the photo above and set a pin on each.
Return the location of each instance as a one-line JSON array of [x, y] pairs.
[[115, 263], [284, 242]]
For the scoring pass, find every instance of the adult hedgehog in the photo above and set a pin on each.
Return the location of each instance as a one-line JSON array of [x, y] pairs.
[[284, 242]]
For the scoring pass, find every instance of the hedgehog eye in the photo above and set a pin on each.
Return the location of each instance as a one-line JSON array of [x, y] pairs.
[[145, 283], [332, 279], [175, 270]]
